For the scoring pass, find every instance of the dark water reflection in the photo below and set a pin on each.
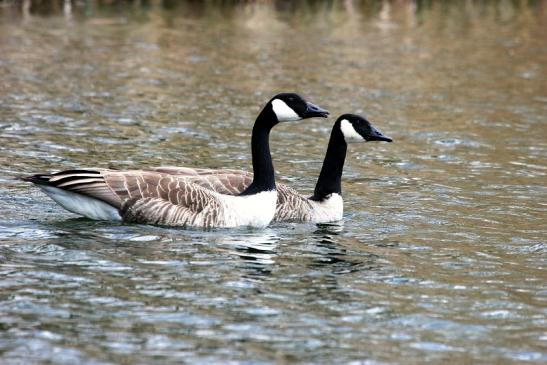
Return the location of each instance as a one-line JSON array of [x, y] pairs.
[[441, 256]]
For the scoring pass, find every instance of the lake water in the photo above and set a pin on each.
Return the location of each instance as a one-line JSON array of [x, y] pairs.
[[441, 256]]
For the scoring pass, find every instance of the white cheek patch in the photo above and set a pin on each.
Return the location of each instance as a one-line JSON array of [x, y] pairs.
[[283, 112], [350, 134]]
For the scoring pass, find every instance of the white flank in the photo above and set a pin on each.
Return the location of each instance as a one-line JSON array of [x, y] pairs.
[[284, 112], [330, 209], [255, 210], [81, 204], [350, 134]]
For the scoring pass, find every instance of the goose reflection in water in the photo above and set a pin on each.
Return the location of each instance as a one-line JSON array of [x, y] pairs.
[[257, 250], [330, 251]]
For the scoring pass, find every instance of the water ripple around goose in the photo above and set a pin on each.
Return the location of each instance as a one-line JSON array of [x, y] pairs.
[[441, 253]]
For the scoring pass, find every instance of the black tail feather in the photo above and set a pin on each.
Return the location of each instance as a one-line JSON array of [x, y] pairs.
[[45, 179], [78, 171], [41, 179]]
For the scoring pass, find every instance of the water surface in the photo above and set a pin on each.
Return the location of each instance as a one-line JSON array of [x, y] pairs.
[[440, 257]]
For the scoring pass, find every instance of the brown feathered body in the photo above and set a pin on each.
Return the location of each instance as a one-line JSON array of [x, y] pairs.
[[175, 196], [157, 196]]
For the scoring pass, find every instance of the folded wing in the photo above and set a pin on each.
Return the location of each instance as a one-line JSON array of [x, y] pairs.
[[147, 197]]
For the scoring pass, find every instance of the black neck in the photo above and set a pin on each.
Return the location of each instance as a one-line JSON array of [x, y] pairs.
[[264, 178], [330, 178]]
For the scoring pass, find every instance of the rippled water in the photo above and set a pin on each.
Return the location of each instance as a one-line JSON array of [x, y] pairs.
[[441, 255]]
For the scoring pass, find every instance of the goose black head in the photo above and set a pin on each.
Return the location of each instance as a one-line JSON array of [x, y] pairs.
[[289, 107], [355, 128]]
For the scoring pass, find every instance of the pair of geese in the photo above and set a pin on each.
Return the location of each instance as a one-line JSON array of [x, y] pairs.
[[207, 198]]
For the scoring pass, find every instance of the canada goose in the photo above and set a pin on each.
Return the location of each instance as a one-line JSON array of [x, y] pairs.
[[325, 205], [156, 197]]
